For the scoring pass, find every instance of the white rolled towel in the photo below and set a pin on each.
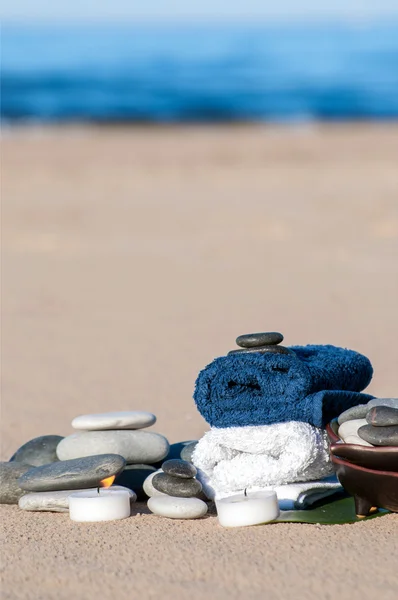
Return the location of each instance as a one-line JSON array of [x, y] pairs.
[[232, 459]]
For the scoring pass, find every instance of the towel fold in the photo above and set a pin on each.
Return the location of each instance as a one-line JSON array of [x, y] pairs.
[[314, 385], [291, 496], [234, 458]]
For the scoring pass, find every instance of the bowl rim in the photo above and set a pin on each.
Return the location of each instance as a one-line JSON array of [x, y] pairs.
[[347, 463]]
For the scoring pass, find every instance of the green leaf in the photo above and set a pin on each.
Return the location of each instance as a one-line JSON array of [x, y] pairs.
[[336, 512]]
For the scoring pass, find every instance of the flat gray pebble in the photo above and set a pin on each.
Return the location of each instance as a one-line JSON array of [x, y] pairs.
[[175, 486], [382, 416], [39, 451], [135, 446], [179, 468], [10, 490], [58, 501], [356, 412], [379, 436], [72, 474], [393, 402], [177, 508]]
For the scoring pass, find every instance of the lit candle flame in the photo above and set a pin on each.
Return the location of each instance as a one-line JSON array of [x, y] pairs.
[[107, 482]]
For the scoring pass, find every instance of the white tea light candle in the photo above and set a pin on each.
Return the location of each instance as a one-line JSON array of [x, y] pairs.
[[247, 509], [99, 505]]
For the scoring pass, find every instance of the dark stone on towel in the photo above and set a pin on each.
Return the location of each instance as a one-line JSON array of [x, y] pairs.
[[379, 436], [179, 468], [382, 416], [263, 349], [250, 340], [39, 451], [176, 486]]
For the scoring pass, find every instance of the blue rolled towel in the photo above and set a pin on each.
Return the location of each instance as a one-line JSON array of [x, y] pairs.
[[314, 385]]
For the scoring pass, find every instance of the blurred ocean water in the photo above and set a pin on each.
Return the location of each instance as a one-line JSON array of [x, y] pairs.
[[204, 73]]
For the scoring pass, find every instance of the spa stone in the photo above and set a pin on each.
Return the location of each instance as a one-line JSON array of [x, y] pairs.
[[133, 477], [134, 419], [263, 349], [58, 501], [379, 436], [356, 412], [10, 490], [148, 488], [350, 428], [177, 508], [393, 402], [39, 451], [175, 486], [187, 451], [72, 474], [382, 416], [179, 468], [249, 340], [135, 446]]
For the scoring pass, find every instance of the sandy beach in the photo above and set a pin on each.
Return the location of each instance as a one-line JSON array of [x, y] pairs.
[[131, 257]]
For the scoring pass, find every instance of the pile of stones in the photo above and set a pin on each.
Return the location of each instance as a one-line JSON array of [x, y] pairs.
[[371, 424], [175, 492], [42, 473]]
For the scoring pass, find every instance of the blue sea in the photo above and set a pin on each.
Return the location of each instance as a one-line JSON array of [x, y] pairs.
[[131, 73]]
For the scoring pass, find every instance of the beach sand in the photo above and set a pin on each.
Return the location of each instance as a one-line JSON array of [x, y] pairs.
[[131, 257]]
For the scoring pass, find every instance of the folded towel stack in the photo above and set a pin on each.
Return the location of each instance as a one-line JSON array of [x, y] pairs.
[[267, 407]]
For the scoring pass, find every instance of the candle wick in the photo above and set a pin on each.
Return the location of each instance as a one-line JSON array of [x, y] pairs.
[[98, 489], [245, 492]]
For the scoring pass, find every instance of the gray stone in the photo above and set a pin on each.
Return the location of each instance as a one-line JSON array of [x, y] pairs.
[[133, 477], [263, 350], [177, 508], [356, 412], [39, 451], [379, 436], [58, 501], [175, 486], [10, 490], [187, 451], [133, 419], [179, 468], [393, 402], [382, 416], [148, 488], [72, 474], [135, 446], [249, 340]]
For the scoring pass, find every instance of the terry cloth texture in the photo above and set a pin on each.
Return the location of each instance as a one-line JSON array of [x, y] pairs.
[[314, 385], [236, 458]]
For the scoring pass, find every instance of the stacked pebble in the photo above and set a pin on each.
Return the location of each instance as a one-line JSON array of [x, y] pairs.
[[120, 433], [174, 491], [371, 424]]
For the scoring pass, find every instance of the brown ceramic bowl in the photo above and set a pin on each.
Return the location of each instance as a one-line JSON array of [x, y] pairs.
[[368, 474], [384, 458]]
